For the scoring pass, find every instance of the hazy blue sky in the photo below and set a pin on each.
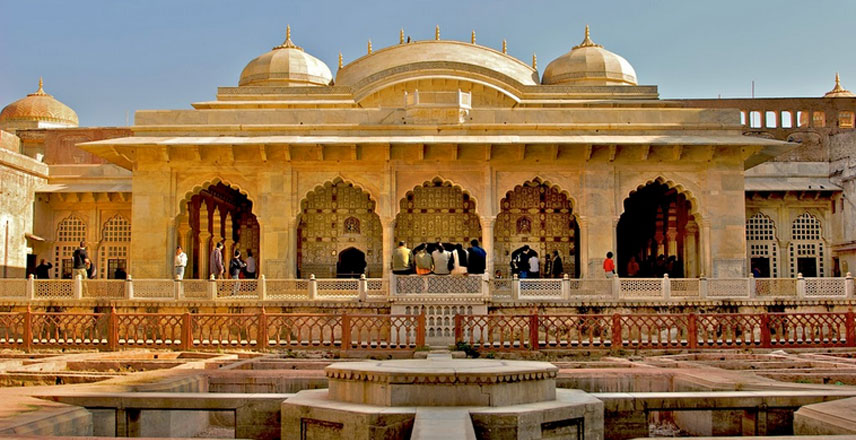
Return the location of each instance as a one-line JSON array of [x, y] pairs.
[[108, 58]]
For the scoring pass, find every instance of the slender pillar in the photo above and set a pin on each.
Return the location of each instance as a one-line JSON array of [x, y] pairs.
[[690, 255], [228, 235], [487, 224], [582, 223], [388, 245], [706, 265], [291, 267], [204, 239]]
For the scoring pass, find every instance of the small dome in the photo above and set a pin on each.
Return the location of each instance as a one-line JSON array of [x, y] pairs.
[[838, 91], [589, 64], [286, 65], [37, 110]]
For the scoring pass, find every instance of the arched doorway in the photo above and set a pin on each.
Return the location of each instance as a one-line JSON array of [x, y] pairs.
[[541, 216], [762, 246], [437, 211], [351, 264], [338, 217], [807, 247], [658, 230], [217, 213]]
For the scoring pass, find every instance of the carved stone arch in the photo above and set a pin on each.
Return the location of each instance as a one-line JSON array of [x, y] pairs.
[[808, 249], [762, 245], [373, 91], [695, 206], [116, 218], [196, 188], [542, 216], [432, 212], [321, 234]]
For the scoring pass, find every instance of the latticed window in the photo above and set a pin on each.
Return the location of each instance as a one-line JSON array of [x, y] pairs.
[[116, 233], [807, 248], [762, 245], [117, 228], [69, 233]]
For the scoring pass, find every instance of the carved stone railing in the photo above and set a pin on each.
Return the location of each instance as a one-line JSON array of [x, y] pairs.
[[409, 288], [657, 331], [111, 331]]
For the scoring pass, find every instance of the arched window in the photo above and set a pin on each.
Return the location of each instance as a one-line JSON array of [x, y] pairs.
[[807, 247], [69, 233], [762, 245], [116, 234]]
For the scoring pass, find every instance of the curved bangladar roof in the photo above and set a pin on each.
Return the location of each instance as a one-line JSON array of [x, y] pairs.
[[436, 59]]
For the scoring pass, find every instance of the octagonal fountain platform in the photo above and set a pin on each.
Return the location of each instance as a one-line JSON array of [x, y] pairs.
[[442, 398]]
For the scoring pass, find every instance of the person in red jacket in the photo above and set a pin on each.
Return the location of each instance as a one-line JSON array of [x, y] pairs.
[[609, 265]]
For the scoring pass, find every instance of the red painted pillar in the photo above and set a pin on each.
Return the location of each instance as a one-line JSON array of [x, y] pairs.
[[113, 330], [692, 331], [459, 328], [765, 331], [850, 327], [617, 341], [533, 331], [186, 332], [28, 329], [420, 329], [346, 332], [262, 337]]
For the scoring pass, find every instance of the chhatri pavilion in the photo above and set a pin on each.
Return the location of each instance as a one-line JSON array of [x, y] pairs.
[[320, 173]]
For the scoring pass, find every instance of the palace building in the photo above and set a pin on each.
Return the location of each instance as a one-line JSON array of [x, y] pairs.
[[321, 173]]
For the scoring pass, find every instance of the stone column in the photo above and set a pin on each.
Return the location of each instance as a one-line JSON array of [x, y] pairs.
[[291, 268], [582, 224], [204, 240], [690, 256], [706, 267], [487, 224], [388, 225], [228, 235]]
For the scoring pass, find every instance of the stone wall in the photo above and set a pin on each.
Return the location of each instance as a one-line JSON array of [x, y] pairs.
[[19, 177]]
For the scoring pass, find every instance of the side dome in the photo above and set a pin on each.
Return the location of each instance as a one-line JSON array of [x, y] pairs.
[[838, 91], [286, 65], [589, 64], [37, 110]]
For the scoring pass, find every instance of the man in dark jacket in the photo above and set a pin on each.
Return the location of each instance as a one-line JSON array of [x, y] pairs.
[[43, 270], [80, 259], [476, 259]]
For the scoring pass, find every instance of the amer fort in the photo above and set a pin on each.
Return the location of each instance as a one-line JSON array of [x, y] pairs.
[[652, 268]]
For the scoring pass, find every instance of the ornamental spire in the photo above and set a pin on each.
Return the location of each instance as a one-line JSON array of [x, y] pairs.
[[41, 91], [504, 46], [401, 36], [370, 47], [534, 61], [437, 32], [288, 44], [340, 59], [473, 37], [838, 91], [587, 41]]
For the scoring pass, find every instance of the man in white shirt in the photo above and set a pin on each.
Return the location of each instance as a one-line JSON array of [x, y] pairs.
[[180, 263], [533, 266], [250, 270], [441, 260]]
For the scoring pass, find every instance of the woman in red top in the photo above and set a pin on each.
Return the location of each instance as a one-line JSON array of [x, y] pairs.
[[609, 265]]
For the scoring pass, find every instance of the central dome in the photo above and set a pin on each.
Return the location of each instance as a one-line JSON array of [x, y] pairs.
[[286, 65], [452, 57], [589, 64]]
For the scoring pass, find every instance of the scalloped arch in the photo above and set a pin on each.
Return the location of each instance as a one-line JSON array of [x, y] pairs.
[[694, 204], [546, 182], [195, 189], [335, 181]]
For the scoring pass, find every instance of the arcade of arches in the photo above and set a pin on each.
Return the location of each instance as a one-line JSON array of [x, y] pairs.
[[799, 248], [217, 213], [657, 234]]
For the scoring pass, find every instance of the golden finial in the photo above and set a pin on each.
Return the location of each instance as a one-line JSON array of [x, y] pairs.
[[587, 41], [504, 46], [41, 90], [437, 32], [473, 37], [370, 46], [340, 59], [838, 91], [288, 44], [401, 36], [837, 81], [534, 61]]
